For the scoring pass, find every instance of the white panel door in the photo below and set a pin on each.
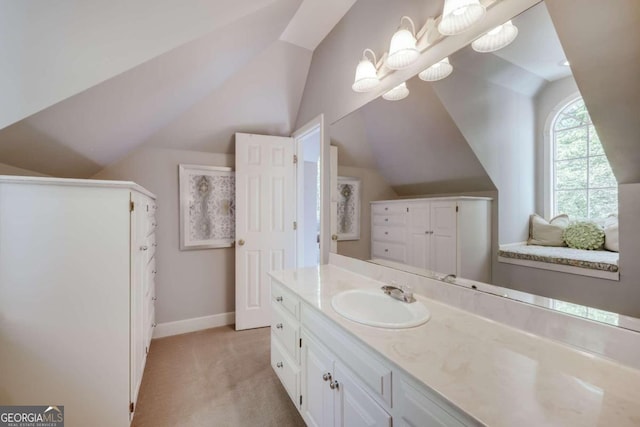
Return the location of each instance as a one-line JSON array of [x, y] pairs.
[[443, 239], [265, 213], [333, 182], [317, 397], [353, 406], [419, 234]]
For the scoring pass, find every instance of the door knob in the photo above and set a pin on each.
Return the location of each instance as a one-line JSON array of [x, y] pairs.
[[334, 237], [240, 242]]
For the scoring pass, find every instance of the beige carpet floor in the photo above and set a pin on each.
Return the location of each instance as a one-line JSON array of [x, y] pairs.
[[217, 377]]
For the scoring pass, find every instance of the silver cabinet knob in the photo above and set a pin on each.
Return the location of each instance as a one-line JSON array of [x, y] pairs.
[[153, 272], [386, 250], [386, 233], [386, 220], [279, 299], [155, 245], [334, 385], [279, 326], [334, 237], [154, 325], [143, 248], [326, 376], [154, 298], [279, 364]]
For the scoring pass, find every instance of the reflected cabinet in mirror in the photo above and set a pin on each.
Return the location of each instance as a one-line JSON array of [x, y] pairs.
[[496, 174]]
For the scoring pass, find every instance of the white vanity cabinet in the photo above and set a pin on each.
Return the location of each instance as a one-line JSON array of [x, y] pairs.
[[446, 235], [77, 294]]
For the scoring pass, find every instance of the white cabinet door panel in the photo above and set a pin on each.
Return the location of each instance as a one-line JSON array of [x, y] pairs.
[[443, 239], [317, 403], [353, 406]]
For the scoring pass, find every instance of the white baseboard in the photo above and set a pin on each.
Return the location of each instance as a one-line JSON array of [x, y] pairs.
[[168, 329]]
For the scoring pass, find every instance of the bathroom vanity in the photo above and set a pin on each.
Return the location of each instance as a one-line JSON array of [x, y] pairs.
[[457, 369]]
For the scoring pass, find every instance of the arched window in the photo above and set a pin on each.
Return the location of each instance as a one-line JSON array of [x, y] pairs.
[[583, 184]]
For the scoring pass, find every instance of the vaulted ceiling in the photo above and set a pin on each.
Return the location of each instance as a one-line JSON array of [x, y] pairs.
[[84, 84]]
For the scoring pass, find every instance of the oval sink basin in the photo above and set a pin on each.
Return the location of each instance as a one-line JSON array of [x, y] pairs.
[[374, 308]]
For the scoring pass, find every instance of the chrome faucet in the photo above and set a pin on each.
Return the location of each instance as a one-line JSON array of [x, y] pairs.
[[402, 293], [449, 276]]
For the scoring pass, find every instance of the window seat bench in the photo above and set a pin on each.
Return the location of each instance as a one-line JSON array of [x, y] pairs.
[[601, 263]]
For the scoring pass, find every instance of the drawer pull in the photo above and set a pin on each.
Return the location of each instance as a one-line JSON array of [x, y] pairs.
[[154, 325], [386, 208], [155, 245], [154, 298], [326, 376], [334, 385], [386, 232], [153, 272], [386, 220], [279, 299], [143, 248], [279, 326], [386, 250], [279, 364]]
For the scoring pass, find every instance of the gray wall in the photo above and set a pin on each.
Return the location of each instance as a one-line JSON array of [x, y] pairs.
[[12, 170], [189, 283], [498, 124]]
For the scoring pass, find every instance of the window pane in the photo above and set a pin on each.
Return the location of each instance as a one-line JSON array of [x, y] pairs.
[[574, 115], [571, 174], [600, 173], [595, 146], [572, 203], [571, 143], [603, 202]]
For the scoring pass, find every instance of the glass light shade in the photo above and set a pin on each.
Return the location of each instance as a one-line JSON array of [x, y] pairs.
[[402, 50], [460, 15], [397, 93], [496, 39], [437, 71], [366, 76]]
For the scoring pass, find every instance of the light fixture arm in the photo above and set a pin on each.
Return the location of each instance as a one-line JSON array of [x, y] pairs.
[[413, 26]]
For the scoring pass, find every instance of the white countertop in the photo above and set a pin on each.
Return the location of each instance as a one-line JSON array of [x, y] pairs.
[[499, 375]]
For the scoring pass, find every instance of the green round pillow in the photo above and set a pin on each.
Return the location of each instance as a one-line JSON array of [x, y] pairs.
[[584, 235]]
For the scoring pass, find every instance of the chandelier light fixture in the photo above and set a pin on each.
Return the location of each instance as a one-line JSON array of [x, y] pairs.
[[501, 36], [437, 71], [366, 73], [397, 93], [460, 15], [403, 50]]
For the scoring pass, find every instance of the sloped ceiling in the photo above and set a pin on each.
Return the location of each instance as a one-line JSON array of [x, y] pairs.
[[52, 50], [602, 42], [80, 135], [416, 144]]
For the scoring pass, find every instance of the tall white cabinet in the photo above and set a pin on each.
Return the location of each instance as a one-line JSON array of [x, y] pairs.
[[77, 292], [450, 235]]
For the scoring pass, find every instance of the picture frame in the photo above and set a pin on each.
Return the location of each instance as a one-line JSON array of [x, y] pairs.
[[207, 206], [349, 200]]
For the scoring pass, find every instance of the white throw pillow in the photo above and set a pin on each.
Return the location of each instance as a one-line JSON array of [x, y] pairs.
[[611, 233], [547, 233]]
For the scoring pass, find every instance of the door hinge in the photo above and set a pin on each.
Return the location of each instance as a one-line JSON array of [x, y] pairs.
[[300, 400], [131, 407], [295, 225], [300, 342], [456, 209], [295, 159], [131, 206]]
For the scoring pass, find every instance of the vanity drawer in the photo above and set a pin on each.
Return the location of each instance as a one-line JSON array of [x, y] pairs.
[[281, 297], [287, 330], [286, 370], [388, 234], [391, 251], [386, 209], [398, 219]]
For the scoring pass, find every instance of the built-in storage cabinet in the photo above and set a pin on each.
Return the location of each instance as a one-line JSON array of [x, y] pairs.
[[334, 380], [80, 255], [446, 235]]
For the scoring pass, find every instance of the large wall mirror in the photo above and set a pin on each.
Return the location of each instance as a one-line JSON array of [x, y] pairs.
[[487, 132]]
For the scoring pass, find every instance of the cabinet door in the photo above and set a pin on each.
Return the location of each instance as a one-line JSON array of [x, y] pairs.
[[353, 406], [419, 235], [317, 396], [443, 238]]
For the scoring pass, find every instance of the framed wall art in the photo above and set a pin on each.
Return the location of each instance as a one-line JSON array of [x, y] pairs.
[[207, 207], [348, 208]]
